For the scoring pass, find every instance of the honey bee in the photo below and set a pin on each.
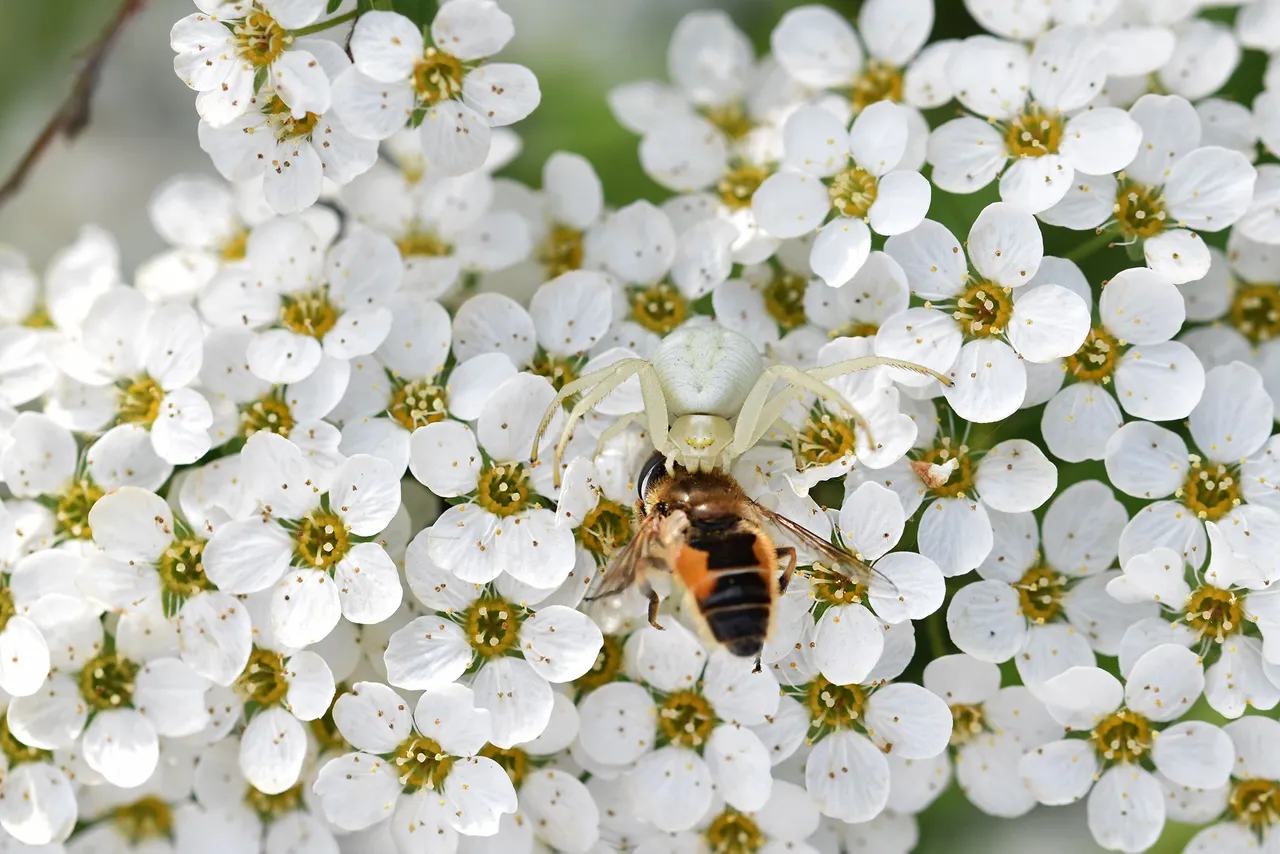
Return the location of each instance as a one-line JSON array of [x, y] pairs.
[[704, 529]]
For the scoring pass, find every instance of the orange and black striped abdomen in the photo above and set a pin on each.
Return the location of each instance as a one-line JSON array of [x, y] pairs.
[[730, 576]]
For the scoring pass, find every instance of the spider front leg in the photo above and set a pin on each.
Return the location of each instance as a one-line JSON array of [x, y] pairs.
[[759, 411], [864, 363], [595, 385]]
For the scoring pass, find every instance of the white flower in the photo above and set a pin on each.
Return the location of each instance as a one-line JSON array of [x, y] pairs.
[[1230, 423], [444, 227], [279, 691], [992, 728], [957, 486], [1126, 727], [1213, 618], [1047, 611], [448, 87], [303, 302], [982, 327], [863, 187], [422, 771], [292, 151], [1030, 107], [114, 703], [1174, 188], [847, 637], [819, 48], [133, 363], [521, 649], [502, 490], [40, 804], [1249, 819], [784, 823], [312, 543], [1126, 362], [226, 52], [682, 729], [155, 557]]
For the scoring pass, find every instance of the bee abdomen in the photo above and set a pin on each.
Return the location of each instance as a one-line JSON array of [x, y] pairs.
[[737, 610]]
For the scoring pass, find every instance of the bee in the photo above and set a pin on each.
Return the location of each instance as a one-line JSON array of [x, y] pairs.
[[703, 528]]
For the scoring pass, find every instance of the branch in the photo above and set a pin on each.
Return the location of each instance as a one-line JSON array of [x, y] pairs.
[[72, 116]]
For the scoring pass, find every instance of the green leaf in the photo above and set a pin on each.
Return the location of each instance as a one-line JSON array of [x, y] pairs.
[[259, 79], [363, 6], [332, 7], [421, 12]]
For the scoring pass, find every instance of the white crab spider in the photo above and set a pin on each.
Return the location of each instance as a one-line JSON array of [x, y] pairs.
[[706, 396]]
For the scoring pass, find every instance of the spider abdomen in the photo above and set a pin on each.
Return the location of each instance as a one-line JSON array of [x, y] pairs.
[[706, 369]]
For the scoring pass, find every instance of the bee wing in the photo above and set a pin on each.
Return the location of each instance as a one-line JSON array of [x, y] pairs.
[[624, 567], [839, 559]]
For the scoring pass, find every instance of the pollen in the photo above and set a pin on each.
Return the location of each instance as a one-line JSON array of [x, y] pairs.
[[492, 626], [1034, 132], [1097, 358], [879, 81]]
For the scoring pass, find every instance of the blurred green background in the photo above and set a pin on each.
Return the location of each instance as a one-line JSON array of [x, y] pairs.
[[144, 129]]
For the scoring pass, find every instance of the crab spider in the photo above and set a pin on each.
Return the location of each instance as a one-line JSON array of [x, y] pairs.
[[706, 395]]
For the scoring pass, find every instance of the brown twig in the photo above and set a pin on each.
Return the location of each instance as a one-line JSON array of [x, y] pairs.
[[72, 116]]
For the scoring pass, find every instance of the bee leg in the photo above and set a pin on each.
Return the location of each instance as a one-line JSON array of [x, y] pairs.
[[756, 669], [789, 553], [654, 603]]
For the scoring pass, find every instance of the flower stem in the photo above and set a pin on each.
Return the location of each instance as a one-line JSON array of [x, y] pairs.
[[1084, 250], [324, 25]]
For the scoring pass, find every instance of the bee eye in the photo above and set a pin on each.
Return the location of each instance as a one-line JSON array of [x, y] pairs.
[[654, 470]]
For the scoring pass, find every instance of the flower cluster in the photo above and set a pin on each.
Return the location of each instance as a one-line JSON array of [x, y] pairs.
[[285, 558]]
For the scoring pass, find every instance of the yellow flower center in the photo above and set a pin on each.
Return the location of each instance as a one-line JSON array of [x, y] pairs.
[[259, 39], [15, 751], [560, 370], [309, 314], [784, 299], [824, 438], [1256, 803], [967, 721], [322, 540], [437, 76], [421, 764], [686, 718], [1034, 132], [144, 819], [1139, 210], [606, 668], [853, 192], [1210, 492], [417, 403], [879, 81], [182, 573], [835, 588], [325, 731], [1214, 612], [271, 807], [513, 760], [731, 119], [1040, 593], [562, 251], [284, 125], [38, 318], [1097, 358], [834, 706], [492, 626], [235, 247], [263, 679], [659, 308], [504, 490], [139, 401], [267, 413], [107, 681], [1124, 736], [984, 310], [960, 484], [731, 832], [1255, 311], [7, 608], [738, 186], [425, 243], [71, 513], [605, 529]]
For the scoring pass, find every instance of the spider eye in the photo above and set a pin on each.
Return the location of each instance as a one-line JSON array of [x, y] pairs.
[[654, 470]]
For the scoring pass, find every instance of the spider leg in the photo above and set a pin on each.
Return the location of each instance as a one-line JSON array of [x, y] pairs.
[[615, 429], [756, 415], [863, 363], [655, 407], [622, 372], [583, 382]]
